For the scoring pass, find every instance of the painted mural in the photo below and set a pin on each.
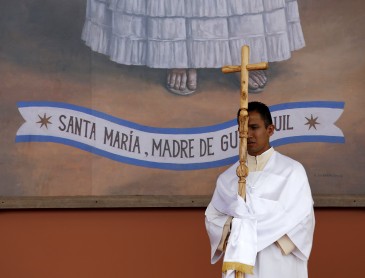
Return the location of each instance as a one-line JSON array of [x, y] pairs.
[[108, 97]]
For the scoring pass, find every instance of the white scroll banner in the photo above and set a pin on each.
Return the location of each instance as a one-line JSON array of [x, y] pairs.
[[170, 148]]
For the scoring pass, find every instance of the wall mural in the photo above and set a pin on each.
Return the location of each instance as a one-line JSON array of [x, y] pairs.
[[126, 98]]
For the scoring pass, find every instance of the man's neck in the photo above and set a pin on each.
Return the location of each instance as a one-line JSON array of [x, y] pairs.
[[258, 162]]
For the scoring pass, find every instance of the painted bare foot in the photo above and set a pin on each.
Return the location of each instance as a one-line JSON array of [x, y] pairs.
[[192, 82], [182, 81], [256, 81]]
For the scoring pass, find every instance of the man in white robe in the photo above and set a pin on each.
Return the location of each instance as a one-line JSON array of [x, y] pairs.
[[270, 233]]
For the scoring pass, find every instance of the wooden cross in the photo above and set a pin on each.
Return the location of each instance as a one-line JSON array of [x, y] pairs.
[[244, 68]]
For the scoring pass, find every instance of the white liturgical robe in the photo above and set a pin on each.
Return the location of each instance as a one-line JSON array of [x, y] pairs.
[[278, 203]]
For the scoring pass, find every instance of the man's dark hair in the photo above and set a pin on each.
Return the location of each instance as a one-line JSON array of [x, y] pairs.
[[260, 108]]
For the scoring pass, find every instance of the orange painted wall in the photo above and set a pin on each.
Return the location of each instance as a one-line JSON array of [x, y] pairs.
[[150, 243]]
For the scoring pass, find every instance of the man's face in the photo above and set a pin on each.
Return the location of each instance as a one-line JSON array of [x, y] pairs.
[[258, 134]]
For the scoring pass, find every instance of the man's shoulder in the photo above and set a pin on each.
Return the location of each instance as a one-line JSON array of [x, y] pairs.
[[288, 161], [230, 171], [284, 157]]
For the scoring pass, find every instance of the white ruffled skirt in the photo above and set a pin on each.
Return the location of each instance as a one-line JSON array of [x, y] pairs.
[[192, 33]]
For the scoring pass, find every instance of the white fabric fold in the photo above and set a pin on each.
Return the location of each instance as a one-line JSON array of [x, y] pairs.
[[242, 242]]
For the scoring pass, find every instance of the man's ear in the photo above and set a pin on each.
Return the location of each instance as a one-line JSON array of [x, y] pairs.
[[271, 129]]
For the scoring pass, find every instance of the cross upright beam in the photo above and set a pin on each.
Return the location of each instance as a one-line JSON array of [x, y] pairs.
[[244, 68]]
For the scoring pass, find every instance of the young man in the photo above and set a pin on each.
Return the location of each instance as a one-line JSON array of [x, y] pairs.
[[270, 233]]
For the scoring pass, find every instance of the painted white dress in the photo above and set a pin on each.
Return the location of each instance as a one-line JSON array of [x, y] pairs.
[[192, 33], [278, 203]]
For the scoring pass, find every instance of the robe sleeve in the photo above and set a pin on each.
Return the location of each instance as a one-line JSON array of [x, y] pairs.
[[290, 214], [285, 244], [302, 237], [214, 223]]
